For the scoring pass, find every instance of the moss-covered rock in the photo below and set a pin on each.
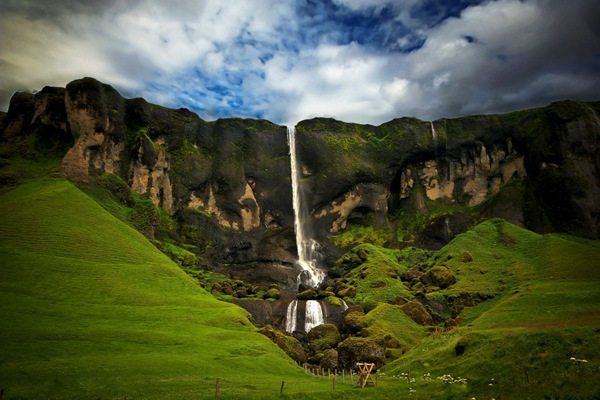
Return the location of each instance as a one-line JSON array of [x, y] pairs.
[[441, 276], [354, 322], [336, 301], [322, 294], [348, 291], [286, 342], [309, 294], [272, 293], [323, 337], [354, 349], [417, 312], [329, 360]]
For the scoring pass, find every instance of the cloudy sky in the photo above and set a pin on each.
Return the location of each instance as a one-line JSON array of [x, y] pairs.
[[365, 61]]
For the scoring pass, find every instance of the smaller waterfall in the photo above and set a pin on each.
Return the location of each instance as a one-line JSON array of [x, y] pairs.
[[314, 315], [290, 318], [447, 230], [344, 305], [433, 134]]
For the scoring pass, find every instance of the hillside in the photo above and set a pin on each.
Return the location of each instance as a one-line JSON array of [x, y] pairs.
[[90, 309], [529, 340], [461, 255]]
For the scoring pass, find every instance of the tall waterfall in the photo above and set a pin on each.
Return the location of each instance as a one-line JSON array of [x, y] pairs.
[[307, 247], [310, 275]]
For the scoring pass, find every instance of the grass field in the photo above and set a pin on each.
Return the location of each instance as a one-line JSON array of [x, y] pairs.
[[90, 309]]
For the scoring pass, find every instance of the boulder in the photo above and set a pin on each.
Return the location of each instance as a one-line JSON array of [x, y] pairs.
[[441, 276], [286, 342], [354, 322], [329, 360], [323, 337], [417, 312], [309, 294], [354, 350]]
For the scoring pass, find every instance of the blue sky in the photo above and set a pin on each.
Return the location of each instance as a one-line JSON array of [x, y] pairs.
[[366, 61]]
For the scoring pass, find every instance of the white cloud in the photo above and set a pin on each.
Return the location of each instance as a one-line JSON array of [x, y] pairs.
[[266, 60]]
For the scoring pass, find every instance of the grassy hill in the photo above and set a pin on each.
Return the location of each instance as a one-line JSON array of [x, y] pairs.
[[90, 309], [537, 338]]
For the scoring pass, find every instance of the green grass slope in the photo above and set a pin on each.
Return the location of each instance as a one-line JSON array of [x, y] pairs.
[[537, 338], [90, 309]]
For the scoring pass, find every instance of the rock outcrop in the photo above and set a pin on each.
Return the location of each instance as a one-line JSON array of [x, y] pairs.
[[536, 168]]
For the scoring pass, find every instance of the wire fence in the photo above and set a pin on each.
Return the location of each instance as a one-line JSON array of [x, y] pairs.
[[321, 380]]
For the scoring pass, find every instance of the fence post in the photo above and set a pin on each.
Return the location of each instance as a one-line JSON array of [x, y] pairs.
[[334, 379], [281, 390], [218, 388]]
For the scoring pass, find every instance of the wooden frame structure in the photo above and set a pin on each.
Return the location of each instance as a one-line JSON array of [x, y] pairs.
[[365, 376]]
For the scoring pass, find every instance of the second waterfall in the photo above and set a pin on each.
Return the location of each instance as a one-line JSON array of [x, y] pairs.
[[310, 275]]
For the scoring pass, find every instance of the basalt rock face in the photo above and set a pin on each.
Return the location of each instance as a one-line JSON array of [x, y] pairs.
[[229, 180], [536, 168]]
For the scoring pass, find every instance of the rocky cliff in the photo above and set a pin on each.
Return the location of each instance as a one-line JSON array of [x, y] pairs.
[[226, 184], [537, 168]]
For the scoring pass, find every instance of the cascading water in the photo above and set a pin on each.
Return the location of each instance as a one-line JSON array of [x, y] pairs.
[[314, 315], [290, 318], [307, 247], [433, 135], [310, 275]]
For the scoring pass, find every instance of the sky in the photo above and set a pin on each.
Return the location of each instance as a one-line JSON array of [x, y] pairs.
[[365, 61]]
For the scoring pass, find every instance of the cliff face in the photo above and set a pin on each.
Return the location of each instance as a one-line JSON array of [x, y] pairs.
[[537, 168], [230, 179]]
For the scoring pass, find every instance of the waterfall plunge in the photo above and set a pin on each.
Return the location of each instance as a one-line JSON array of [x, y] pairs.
[[307, 250]]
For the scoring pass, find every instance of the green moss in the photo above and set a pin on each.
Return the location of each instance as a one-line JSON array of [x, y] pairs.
[[272, 293], [377, 278], [356, 234], [323, 337], [388, 319], [182, 257]]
